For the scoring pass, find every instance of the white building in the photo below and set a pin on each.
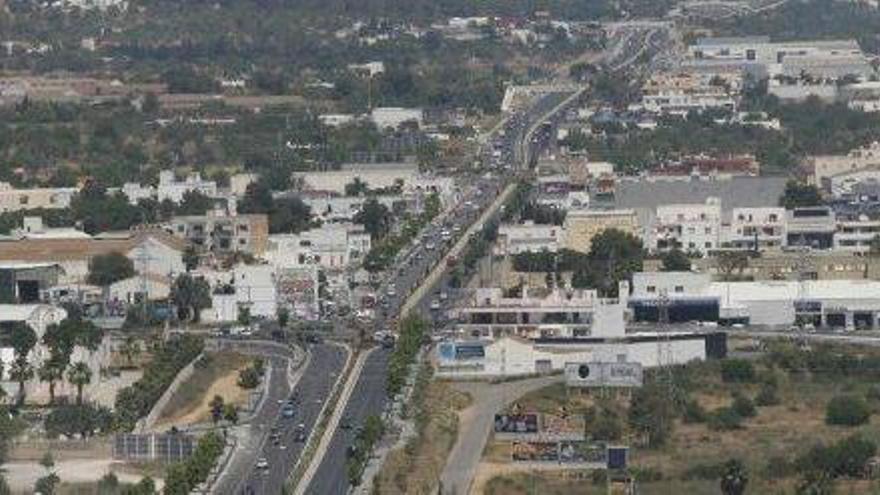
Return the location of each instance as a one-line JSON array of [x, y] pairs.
[[766, 225], [12, 199], [528, 237], [136, 192], [830, 303], [824, 167], [330, 207], [333, 247], [504, 337], [251, 286], [393, 117], [171, 188], [680, 93], [690, 227], [856, 235]]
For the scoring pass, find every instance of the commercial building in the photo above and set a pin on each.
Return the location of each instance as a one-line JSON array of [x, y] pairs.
[[811, 227], [393, 117], [765, 227], [501, 336], [12, 199], [528, 237], [582, 225], [694, 296], [244, 286], [332, 247]]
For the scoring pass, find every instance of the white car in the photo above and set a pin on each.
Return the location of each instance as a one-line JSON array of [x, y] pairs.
[[262, 463], [435, 304]]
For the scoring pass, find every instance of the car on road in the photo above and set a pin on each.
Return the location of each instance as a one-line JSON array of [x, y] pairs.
[[299, 435], [345, 423], [262, 463], [435, 305], [288, 411]]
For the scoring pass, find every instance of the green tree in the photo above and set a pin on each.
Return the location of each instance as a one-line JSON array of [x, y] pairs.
[[107, 269], [615, 255], [51, 372], [194, 203], [847, 410], [244, 315], [20, 372], [79, 376], [190, 258], [23, 339], [798, 194], [191, 295], [737, 371], [217, 409], [731, 261], [735, 478], [357, 187], [230, 413], [676, 261], [257, 198], [375, 218], [130, 349], [283, 316]]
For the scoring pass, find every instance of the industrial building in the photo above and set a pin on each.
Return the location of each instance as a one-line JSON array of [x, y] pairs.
[[688, 296]]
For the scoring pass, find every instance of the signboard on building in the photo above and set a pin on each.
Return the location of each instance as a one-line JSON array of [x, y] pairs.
[[461, 351], [603, 374], [617, 457]]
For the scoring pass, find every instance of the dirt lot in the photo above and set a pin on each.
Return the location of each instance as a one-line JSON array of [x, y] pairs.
[[774, 437], [416, 468], [218, 375]]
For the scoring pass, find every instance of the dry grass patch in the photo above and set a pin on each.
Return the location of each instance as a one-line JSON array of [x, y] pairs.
[[416, 468]]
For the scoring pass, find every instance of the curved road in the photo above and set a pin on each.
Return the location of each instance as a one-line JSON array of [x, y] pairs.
[[312, 390]]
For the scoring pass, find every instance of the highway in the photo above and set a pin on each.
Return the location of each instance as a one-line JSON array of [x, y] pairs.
[[310, 392], [368, 398]]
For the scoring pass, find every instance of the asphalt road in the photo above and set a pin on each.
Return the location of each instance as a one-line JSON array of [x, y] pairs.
[[310, 394], [368, 398]]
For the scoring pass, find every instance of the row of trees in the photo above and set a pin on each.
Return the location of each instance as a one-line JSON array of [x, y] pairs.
[[182, 478]]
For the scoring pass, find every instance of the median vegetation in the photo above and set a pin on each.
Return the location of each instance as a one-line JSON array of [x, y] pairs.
[[359, 453], [412, 333]]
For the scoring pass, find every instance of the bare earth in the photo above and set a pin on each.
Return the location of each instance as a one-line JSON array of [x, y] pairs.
[[226, 387]]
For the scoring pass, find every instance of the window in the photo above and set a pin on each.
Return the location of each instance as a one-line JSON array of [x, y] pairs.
[[708, 230], [708, 245], [23, 200], [242, 241], [652, 289], [679, 288]]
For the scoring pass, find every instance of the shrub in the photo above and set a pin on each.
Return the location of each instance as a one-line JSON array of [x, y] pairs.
[[607, 427], [847, 410], [725, 419], [83, 420], [737, 371], [767, 396], [847, 457], [704, 471], [693, 412], [743, 406]]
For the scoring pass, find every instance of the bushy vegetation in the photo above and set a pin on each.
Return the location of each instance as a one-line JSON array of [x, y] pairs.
[[737, 371], [411, 335], [136, 401], [183, 477], [364, 442], [847, 410], [78, 420]]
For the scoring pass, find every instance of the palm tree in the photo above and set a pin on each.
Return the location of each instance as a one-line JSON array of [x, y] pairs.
[[51, 371], [131, 348], [21, 372], [79, 376]]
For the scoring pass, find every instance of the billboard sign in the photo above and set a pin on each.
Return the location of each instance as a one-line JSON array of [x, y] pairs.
[[563, 426], [536, 451], [603, 374], [582, 452], [516, 423]]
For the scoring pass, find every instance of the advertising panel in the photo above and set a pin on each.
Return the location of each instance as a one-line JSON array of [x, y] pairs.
[[460, 351], [516, 423], [536, 451], [582, 452], [603, 374], [563, 426]]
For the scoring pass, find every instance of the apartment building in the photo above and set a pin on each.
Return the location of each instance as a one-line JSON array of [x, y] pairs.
[[822, 168], [748, 226], [13, 199], [680, 93], [690, 227], [856, 235], [812, 227], [223, 232]]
